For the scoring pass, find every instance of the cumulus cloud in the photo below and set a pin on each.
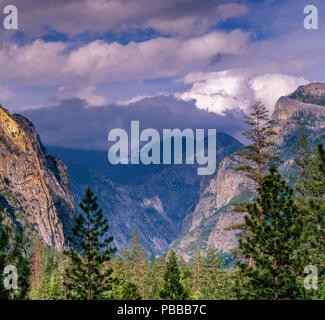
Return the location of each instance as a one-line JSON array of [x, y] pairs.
[[41, 63], [228, 90], [269, 87]]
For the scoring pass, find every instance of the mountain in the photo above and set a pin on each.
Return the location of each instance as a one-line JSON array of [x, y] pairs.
[[34, 186], [153, 199], [207, 220]]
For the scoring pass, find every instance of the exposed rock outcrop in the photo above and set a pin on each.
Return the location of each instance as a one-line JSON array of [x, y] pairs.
[[207, 221], [34, 187]]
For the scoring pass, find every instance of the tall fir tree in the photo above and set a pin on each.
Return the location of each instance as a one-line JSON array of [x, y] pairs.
[[315, 244], [87, 277], [172, 286], [257, 154], [197, 273], [274, 245], [137, 262], [152, 279], [214, 282], [12, 253]]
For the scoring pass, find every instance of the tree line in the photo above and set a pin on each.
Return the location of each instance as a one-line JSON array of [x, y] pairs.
[[281, 237]]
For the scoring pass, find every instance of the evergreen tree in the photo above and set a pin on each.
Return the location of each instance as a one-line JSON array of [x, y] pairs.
[[55, 285], [130, 292], [137, 262], [197, 271], [257, 154], [152, 279], [214, 279], [87, 277], [172, 287], [12, 253], [301, 162], [275, 244], [314, 244]]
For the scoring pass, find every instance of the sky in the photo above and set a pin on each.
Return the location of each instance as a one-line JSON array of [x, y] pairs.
[[79, 68]]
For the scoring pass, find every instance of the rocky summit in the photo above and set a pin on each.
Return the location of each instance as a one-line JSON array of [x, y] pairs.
[[34, 186], [207, 221]]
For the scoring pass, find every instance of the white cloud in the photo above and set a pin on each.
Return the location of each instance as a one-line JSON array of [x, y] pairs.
[[41, 63], [269, 87], [232, 89], [218, 91], [88, 94]]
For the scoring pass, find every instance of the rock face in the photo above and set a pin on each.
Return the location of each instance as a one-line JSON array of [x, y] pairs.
[[154, 201], [34, 187], [206, 222]]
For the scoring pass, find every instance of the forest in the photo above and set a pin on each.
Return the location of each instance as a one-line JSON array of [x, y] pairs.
[[282, 233]]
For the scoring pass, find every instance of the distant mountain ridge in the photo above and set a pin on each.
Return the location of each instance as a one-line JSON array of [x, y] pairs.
[[169, 205], [153, 199]]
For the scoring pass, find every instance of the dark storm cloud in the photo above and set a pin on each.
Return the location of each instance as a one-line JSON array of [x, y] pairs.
[[73, 124]]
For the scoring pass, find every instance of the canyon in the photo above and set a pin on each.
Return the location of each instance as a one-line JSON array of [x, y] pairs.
[[169, 205]]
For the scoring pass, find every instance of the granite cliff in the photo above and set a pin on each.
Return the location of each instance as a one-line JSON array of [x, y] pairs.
[[34, 186], [152, 199], [206, 221]]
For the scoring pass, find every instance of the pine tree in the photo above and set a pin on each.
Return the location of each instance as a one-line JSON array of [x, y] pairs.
[[130, 292], [172, 287], [12, 253], [314, 244], [214, 279], [4, 244], [302, 159], [86, 275], [197, 271], [119, 276], [275, 244], [152, 279], [257, 154], [137, 262]]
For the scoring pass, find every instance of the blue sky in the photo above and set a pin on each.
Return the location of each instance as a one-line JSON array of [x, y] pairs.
[[218, 56]]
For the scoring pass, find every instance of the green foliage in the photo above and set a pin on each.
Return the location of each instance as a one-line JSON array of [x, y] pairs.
[[88, 275], [272, 242], [172, 287], [130, 292], [12, 253], [257, 155]]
